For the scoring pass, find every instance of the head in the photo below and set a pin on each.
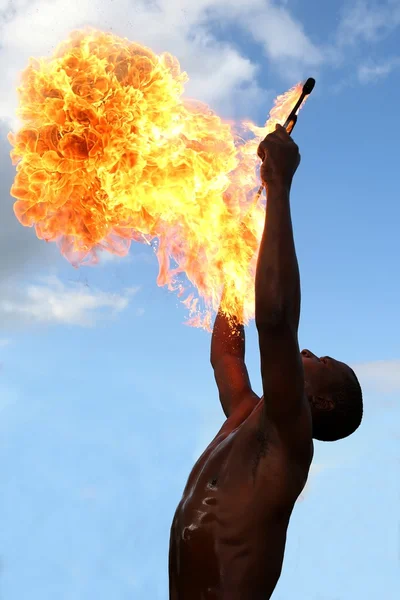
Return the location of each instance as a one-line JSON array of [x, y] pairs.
[[335, 397]]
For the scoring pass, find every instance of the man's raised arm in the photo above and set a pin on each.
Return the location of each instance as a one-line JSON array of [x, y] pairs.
[[227, 360], [278, 286]]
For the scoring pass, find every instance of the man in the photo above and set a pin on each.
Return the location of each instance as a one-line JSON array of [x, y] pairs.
[[229, 531]]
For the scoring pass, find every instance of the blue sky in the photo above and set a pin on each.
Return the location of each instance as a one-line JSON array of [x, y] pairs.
[[107, 398]]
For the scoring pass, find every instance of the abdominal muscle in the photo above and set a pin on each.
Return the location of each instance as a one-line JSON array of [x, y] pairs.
[[229, 530]]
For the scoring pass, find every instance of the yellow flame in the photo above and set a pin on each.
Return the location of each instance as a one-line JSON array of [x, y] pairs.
[[109, 153]]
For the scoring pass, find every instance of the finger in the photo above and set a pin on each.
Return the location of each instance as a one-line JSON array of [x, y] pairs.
[[265, 144], [271, 137], [282, 133], [261, 151]]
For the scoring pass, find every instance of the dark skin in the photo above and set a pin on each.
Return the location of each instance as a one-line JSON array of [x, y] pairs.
[[229, 531]]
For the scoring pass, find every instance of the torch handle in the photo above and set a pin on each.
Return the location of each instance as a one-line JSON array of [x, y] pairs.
[[290, 123], [292, 118]]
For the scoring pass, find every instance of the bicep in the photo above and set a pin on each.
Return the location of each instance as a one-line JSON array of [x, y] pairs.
[[282, 373], [233, 382]]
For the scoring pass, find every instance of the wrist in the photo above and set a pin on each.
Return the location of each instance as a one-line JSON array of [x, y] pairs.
[[278, 187]]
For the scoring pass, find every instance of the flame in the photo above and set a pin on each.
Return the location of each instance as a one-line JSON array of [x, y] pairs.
[[109, 152]]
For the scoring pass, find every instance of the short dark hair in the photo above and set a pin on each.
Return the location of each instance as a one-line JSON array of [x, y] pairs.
[[345, 416]]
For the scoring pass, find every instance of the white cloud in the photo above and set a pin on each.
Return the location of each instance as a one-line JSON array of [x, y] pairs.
[[370, 72], [368, 21], [22, 254], [181, 27], [362, 24], [107, 258], [52, 302], [4, 343], [271, 25], [380, 376]]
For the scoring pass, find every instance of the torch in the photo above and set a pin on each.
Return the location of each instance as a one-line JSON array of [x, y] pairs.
[[292, 118]]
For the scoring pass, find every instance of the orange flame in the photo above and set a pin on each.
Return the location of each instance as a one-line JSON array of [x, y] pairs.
[[109, 153]]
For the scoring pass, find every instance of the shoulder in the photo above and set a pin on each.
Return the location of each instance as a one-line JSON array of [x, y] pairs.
[[249, 402]]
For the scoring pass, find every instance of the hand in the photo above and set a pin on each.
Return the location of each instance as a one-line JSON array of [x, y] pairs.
[[280, 156]]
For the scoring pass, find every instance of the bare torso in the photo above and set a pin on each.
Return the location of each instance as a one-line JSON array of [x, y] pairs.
[[229, 531]]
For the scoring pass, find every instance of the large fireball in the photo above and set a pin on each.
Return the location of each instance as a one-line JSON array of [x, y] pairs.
[[109, 152]]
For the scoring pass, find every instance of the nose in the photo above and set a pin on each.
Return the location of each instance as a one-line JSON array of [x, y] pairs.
[[308, 354]]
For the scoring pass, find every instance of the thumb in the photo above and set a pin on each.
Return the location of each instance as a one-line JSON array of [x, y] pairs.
[[261, 152]]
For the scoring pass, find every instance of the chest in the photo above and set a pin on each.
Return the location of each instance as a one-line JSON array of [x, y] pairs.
[[243, 478]]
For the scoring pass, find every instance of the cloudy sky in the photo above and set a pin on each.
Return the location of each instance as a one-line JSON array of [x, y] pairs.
[[106, 398]]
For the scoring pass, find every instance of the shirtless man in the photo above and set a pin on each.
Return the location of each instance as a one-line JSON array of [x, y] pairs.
[[229, 531]]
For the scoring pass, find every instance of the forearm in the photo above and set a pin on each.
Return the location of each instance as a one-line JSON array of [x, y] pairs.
[[228, 337], [277, 275]]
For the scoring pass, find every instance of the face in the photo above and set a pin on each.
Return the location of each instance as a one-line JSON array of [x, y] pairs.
[[321, 373]]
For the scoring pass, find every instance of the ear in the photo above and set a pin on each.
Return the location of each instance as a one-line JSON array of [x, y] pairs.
[[325, 403]]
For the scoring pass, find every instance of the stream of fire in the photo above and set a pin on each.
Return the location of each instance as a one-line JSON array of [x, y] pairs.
[[109, 152]]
